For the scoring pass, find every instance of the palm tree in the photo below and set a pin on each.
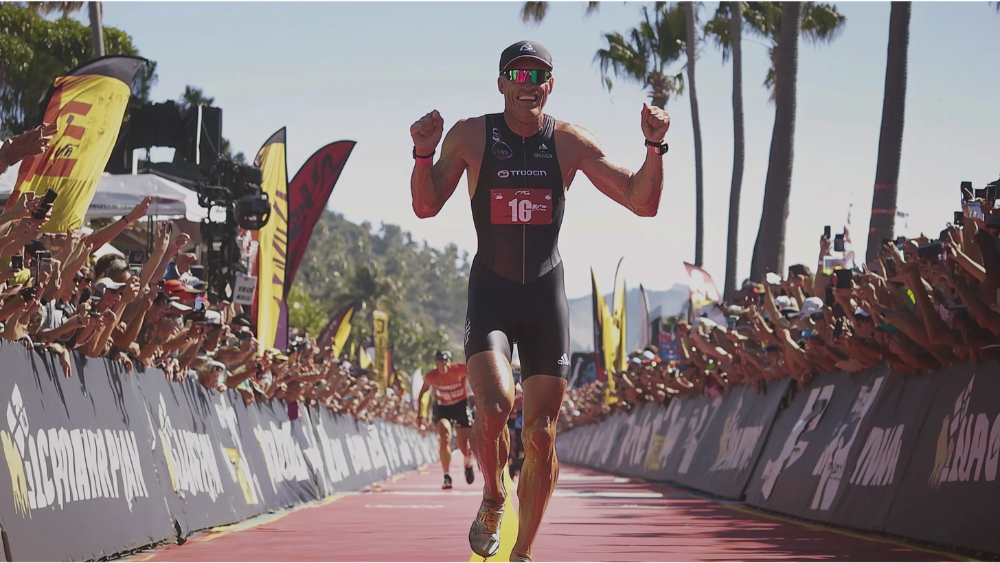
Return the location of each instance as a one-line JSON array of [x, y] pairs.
[[818, 23], [691, 41], [644, 57], [96, 28], [727, 28], [890, 142]]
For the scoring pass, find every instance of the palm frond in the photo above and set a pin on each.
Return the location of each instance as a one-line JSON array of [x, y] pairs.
[[592, 8], [821, 23], [534, 12]]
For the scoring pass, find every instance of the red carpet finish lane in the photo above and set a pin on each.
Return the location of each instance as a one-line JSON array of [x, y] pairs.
[[592, 517]]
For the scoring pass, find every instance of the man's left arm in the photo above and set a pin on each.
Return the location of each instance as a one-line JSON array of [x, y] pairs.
[[640, 191]]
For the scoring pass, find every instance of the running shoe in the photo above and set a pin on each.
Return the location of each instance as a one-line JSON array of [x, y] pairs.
[[484, 537], [447, 482], [519, 558], [469, 475]]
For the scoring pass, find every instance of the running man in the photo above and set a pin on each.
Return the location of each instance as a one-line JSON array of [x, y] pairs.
[[451, 407], [518, 165]]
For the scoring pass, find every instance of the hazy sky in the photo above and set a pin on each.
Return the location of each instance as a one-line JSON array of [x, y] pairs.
[[332, 71]]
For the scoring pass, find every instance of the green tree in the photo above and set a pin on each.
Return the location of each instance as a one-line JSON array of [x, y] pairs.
[[890, 142], [818, 23], [304, 312], [534, 12], [424, 290], [727, 29], [35, 51]]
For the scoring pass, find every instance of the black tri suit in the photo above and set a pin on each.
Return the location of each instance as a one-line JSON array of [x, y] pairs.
[[516, 289]]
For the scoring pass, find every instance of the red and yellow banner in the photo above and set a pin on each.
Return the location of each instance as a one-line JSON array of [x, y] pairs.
[[335, 333], [87, 105], [307, 196], [272, 243]]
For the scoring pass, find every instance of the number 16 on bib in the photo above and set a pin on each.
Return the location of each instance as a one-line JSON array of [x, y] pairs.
[[521, 207]]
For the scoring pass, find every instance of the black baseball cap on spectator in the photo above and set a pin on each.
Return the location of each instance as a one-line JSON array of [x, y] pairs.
[[442, 355], [242, 320], [525, 50]]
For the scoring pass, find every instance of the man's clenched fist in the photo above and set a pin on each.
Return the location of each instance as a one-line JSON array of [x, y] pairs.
[[655, 123], [426, 133]]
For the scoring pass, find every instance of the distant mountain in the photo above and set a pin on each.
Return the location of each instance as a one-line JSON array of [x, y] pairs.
[[581, 314]]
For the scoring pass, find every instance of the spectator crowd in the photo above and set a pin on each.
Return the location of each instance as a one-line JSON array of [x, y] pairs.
[[55, 297], [921, 305]]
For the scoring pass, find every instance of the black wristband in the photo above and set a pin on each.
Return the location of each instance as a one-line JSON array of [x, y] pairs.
[[661, 149], [416, 156]]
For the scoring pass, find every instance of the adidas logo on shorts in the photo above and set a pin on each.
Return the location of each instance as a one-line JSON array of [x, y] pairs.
[[563, 360]]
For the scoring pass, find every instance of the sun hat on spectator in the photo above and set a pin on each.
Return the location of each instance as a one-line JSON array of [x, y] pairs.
[[810, 307], [242, 320], [107, 283], [213, 318]]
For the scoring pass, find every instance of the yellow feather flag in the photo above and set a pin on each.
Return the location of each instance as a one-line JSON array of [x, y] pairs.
[[604, 343], [621, 350], [87, 106], [363, 360], [272, 241]]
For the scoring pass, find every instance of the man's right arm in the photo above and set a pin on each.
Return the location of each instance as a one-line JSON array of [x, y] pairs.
[[431, 185]]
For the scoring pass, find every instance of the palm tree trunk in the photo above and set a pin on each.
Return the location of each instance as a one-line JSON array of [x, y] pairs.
[[691, 44], [890, 142], [769, 250], [732, 248], [96, 28]]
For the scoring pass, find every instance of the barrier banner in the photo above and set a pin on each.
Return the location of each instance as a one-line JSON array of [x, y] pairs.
[[280, 441], [814, 433], [82, 479], [107, 462], [710, 444], [948, 489], [728, 451], [188, 453]]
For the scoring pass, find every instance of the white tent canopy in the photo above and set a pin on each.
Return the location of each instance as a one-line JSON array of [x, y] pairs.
[[117, 194]]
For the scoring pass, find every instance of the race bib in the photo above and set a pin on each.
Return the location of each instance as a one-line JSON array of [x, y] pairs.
[[521, 207]]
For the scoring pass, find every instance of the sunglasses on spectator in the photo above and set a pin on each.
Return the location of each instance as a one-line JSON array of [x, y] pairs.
[[521, 76]]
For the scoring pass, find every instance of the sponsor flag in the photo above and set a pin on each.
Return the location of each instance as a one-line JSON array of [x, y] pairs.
[[604, 345], [644, 327], [87, 105], [335, 333], [363, 359], [273, 243], [307, 197], [381, 322], [701, 287], [621, 350]]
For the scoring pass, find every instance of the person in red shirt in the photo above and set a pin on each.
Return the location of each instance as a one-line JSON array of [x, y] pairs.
[[450, 383]]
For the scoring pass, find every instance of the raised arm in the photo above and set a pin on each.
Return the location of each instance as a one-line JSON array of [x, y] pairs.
[[431, 185], [640, 191]]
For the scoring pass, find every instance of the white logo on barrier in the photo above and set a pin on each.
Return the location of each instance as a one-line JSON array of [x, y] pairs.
[[55, 466], [282, 454], [968, 447], [239, 467], [737, 443], [697, 426], [830, 466], [190, 457], [876, 466], [793, 448]]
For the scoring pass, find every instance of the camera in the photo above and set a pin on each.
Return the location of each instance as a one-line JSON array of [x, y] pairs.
[[890, 267], [933, 251], [838, 243], [17, 262], [844, 278]]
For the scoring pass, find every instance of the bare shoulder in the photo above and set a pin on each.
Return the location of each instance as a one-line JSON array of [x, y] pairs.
[[577, 140], [467, 129]]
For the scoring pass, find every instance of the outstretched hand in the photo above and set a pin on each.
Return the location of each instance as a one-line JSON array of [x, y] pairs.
[[426, 133], [655, 123]]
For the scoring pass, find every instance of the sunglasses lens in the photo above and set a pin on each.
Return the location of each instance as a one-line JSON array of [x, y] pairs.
[[522, 76]]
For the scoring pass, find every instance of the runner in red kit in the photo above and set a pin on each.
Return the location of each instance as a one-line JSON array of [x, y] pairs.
[[450, 383]]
